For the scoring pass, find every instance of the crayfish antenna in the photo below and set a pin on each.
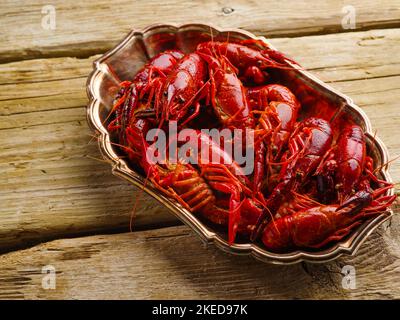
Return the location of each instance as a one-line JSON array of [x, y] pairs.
[[337, 113], [212, 41], [379, 168], [381, 205]]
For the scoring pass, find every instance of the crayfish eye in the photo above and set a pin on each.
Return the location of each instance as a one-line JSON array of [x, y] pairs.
[[299, 175], [165, 93]]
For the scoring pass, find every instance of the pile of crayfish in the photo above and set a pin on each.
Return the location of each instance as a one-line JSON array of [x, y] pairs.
[[312, 182]]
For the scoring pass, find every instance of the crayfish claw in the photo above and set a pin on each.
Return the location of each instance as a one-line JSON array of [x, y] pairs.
[[357, 202]]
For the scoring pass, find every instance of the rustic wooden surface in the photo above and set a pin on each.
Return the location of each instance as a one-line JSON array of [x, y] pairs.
[[170, 263], [106, 22], [55, 188]]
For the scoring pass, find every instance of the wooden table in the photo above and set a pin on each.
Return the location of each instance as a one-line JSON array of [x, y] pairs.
[[61, 206]]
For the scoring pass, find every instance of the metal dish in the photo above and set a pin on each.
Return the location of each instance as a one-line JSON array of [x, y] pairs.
[[129, 56]]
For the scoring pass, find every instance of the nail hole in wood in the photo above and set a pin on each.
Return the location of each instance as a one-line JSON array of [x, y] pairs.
[[227, 10]]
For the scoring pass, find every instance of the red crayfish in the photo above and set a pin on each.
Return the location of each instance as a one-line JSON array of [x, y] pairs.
[[311, 181]]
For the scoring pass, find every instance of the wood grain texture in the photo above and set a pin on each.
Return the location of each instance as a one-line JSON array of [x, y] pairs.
[[23, 37], [53, 187], [171, 263]]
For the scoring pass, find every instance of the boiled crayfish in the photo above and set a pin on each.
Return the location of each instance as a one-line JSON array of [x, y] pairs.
[[311, 181]]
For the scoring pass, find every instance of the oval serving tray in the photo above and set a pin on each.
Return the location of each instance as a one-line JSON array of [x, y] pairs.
[[122, 62]]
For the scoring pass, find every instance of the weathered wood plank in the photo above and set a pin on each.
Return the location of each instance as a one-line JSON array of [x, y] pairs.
[[53, 187], [45, 146], [170, 263], [23, 37]]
